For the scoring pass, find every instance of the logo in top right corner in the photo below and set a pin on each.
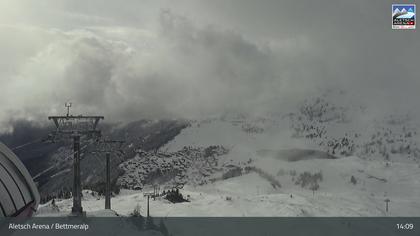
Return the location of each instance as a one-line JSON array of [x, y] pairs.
[[403, 16]]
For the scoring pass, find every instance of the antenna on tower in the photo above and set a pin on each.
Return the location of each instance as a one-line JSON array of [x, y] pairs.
[[68, 105]]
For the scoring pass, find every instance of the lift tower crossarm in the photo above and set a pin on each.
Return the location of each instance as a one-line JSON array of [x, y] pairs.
[[74, 127]]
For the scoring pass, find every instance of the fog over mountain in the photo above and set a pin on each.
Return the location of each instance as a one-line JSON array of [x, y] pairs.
[[191, 59]]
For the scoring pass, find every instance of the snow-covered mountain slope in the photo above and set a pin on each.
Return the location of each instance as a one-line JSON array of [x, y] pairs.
[[317, 124], [320, 159], [251, 194]]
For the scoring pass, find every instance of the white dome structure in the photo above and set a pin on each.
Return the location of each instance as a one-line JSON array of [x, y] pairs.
[[19, 196]]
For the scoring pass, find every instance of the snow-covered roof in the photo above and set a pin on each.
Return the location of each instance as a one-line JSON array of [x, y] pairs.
[[18, 193]]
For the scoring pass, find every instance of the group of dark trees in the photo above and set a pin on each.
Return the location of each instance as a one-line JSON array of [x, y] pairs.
[[396, 140], [214, 150], [308, 180], [174, 196]]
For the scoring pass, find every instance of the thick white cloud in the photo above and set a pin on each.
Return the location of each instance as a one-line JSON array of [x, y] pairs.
[[179, 70], [198, 58]]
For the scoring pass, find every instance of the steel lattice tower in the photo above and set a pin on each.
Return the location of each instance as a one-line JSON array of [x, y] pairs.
[[75, 127]]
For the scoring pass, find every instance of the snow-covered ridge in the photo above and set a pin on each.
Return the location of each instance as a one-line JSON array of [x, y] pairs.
[[317, 125]]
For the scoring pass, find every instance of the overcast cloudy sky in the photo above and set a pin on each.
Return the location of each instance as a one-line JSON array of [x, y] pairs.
[[192, 58]]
